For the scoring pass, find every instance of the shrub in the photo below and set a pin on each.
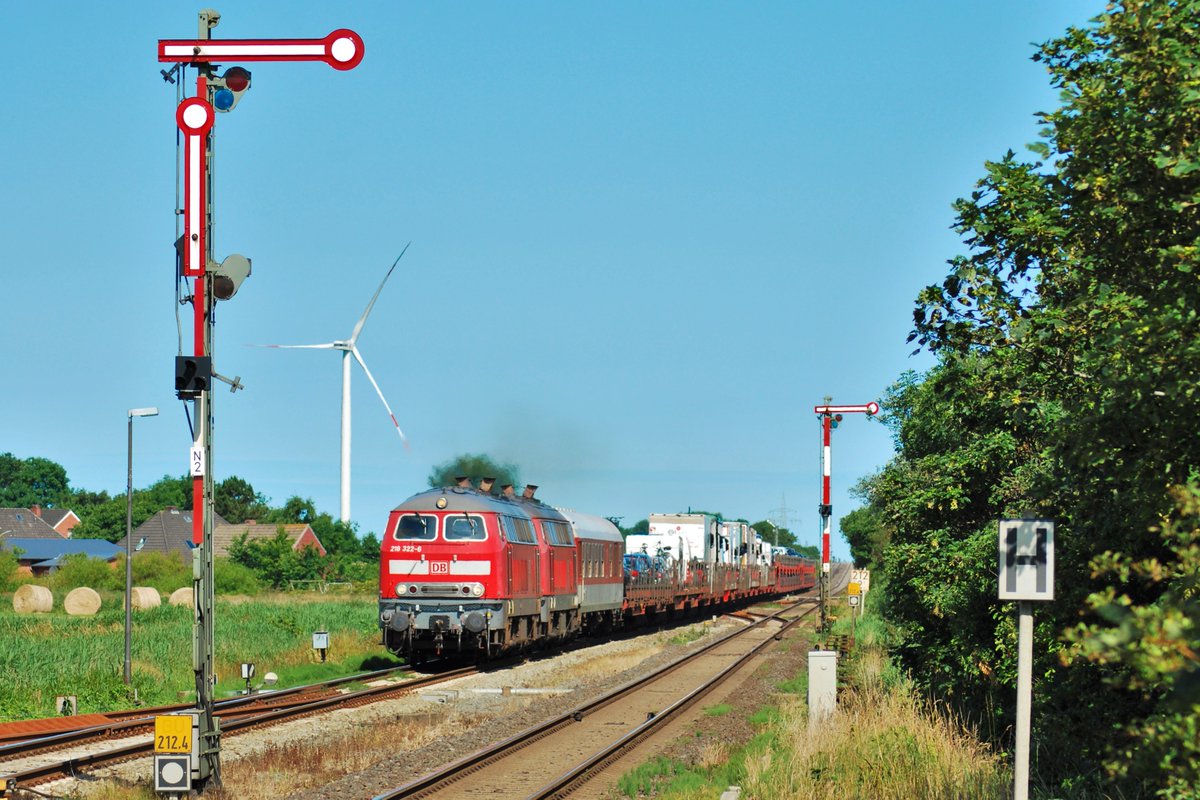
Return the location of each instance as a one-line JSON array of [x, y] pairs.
[[164, 571], [79, 570], [231, 577], [8, 571]]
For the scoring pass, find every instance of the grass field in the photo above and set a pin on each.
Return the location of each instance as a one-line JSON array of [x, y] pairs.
[[46, 655]]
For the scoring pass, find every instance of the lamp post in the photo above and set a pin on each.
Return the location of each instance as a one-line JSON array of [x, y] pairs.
[[133, 412]]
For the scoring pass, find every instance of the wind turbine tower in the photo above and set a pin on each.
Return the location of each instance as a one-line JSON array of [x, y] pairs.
[[350, 350]]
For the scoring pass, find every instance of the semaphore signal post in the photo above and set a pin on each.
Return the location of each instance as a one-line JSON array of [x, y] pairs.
[[830, 416], [189, 758]]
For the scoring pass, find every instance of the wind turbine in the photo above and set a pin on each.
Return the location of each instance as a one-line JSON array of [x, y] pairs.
[[350, 350]]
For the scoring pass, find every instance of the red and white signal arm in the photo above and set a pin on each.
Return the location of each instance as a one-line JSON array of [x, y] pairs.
[[866, 408], [342, 49], [195, 119]]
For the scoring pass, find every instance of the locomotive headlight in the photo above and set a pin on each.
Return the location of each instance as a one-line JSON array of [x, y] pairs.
[[399, 589], [476, 589]]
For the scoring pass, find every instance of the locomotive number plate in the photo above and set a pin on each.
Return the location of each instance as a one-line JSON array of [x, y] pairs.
[[439, 567]]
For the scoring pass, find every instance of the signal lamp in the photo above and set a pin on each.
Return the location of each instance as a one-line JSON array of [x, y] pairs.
[[237, 79], [230, 87], [228, 277]]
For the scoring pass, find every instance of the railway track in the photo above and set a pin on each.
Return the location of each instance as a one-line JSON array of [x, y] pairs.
[[235, 718], [237, 715], [586, 739], [21, 738]]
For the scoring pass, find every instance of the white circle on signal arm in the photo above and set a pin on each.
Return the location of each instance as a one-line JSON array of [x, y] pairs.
[[172, 772], [342, 49], [195, 115]]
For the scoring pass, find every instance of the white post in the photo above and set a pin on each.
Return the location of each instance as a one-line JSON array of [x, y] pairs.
[[128, 550], [345, 510], [1024, 698], [822, 686]]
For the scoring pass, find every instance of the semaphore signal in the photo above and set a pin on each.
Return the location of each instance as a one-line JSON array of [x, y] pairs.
[[830, 416], [195, 116]]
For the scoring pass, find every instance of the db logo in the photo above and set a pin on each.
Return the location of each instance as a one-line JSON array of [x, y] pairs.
[[439, 567]]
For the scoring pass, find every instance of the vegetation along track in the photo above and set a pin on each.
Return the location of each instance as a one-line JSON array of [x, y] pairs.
[[558, 755], [237, 715]]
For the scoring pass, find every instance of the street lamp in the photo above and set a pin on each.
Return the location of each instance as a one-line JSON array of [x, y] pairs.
[[133, 412]]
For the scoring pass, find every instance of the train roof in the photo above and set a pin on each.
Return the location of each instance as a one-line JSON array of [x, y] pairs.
[[458, 498], [589, 526]]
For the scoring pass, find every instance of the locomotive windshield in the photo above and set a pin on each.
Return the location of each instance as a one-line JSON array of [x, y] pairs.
[[464, 528], [416, 527]]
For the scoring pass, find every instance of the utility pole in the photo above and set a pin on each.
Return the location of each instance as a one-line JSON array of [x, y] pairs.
[[782, 518], [195, 116], [830, 416]]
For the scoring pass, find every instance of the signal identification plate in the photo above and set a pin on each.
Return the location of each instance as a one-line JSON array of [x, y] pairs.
[[173, 733]]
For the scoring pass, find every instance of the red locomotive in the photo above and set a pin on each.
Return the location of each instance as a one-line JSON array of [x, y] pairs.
[[463, 570]]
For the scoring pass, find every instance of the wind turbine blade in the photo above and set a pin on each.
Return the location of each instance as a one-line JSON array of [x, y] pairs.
[[363, 319], [379, 392], [326, 346]]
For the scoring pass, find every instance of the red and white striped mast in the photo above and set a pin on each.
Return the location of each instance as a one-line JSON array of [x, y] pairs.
[[830, 416], [343, 50]]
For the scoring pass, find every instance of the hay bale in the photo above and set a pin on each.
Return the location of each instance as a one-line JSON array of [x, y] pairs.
[[182, 597], [144, 597], [82, 602], [32, 599]]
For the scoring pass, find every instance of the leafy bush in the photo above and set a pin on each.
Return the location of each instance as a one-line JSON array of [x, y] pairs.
[[79, 570], [230, 577], [8, 571], [1150, 623], [166, 572]]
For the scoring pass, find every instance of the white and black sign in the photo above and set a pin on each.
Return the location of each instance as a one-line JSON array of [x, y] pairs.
[[196, 461], [1026, 559], [172, 773]]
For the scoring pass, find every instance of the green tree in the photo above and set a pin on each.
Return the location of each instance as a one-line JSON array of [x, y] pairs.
[[1159, 644], [296, 509], [169, 491], [83, 499], [642, 526], [368, 549], [1068, 340], [865, 532], [275, 563], [474, 466], [106, 519], [236, 501], [340, 539], [776, 536], [31, 481]]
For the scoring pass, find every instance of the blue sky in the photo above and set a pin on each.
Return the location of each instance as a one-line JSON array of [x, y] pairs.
[[646, 238]]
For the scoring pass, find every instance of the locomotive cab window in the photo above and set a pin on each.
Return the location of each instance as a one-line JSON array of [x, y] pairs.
[[518, 530], [464, 529], [557, 533], [416, 527]]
